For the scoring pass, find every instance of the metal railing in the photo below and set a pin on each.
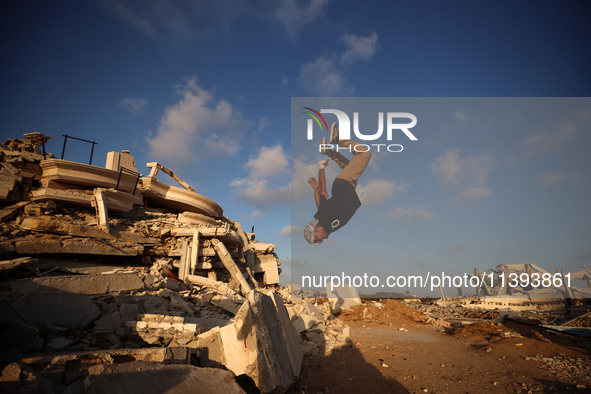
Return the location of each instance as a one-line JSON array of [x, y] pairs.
[[79, 139]]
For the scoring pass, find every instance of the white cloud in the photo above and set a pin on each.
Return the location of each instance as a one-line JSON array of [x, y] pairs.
[[468, 173], [258, 192], [293, 15], [302, 170], [270, 161], [358, 48], [196, 125], [257, 215], [540, 143], [378, 190], [175, 23], [471, 194], [449, 168], [408, 215], [134, 105], [555, 178], [290, 230], [453, 170], [323, 77], [264, 122], [552, 179], [461, 116], [257, 189]]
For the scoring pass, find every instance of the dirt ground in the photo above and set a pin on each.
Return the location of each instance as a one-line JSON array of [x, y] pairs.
[[394, 350]]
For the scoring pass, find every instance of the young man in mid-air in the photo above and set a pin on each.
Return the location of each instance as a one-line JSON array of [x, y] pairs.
[[334, 212]]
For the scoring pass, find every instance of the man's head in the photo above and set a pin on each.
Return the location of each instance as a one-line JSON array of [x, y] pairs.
[[315, 233]]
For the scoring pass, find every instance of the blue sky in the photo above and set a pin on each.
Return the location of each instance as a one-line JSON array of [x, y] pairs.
[[205, 87]]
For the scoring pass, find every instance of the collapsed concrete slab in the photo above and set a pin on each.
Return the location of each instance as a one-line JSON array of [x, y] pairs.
[[87, 175], [256, 345], [58, 309], [146, 378], [81, 284], [16, 331], [67, 245]]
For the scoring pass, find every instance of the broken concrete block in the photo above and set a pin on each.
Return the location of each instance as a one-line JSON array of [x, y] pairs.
[[308, 308], [57, 344], [290, 335], [227, 303], [262, 247], [53, 225], [111, 321], [219, 287], [172, 284], [10, 265], [155, 378], [254, 345], [77, 246], [80, 284], [299, 325], [87, 175], [8, 180], [58, 309], [129, 312], [33, 210], [192, 218], [305, 321], [274, 370], [118, 160], [163, 329], [15, 330], [267, 264]]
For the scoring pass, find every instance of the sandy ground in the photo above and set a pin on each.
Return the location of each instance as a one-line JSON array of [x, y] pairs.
[[478, 358]]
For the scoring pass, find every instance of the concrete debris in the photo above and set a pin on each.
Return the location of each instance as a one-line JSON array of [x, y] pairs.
[[115, 282], [16, 331], [82, 284], [530, 281], [143, 377]]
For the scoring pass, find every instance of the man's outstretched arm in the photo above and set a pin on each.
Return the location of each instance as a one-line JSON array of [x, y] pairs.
[[319, 187]]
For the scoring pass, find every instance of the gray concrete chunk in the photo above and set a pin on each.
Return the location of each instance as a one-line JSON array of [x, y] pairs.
[[58, 309], [81, 284], [143, 377]]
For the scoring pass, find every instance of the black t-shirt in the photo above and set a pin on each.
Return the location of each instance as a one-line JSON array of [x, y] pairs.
[[335, 212]]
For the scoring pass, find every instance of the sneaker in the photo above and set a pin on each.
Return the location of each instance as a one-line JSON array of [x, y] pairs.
[[323, 148], [334, 133]]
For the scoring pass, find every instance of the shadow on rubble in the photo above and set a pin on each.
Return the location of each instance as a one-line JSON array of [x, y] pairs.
[[55, 340], [345, 370]]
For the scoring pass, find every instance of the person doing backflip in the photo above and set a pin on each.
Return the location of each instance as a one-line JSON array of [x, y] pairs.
[[334, 212]]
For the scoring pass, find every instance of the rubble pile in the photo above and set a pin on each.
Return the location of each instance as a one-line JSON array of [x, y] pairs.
[[566, 367], [529, 281], [107, 276], [456, 312]]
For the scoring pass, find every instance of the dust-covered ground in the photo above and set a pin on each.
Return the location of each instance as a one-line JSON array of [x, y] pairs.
[[394, 350]]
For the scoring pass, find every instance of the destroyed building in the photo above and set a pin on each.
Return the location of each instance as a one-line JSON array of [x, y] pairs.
[[107, 275]]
